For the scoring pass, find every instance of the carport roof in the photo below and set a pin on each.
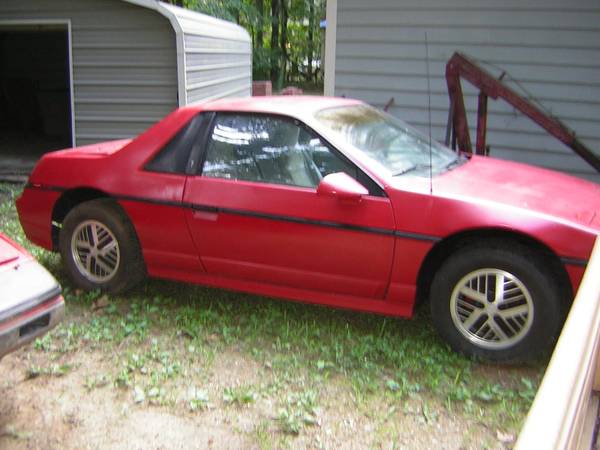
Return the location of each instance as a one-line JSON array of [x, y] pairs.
[[190, 23]]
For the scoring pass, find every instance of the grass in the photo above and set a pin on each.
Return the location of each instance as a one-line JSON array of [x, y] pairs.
[[164, 336]]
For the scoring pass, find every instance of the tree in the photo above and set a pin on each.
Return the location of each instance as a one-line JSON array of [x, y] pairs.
[[286, 48], [260, 8], [283, 41], [275, 40], [311, 38]]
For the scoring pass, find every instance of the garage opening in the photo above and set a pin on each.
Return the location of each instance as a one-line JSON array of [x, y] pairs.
[[35, 90]]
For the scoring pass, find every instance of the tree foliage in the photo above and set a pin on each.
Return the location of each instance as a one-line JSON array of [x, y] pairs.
[[286, 35]]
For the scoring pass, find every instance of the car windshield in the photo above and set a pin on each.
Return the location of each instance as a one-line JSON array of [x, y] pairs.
[[392, 143]]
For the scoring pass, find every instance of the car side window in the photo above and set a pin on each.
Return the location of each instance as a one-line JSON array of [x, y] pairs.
[[269, 149], [174, 156]]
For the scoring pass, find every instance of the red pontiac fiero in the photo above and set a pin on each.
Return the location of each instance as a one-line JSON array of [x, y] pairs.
[[323, 200]]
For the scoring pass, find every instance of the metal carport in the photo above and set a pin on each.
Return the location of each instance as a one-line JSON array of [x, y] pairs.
[[125, 64]]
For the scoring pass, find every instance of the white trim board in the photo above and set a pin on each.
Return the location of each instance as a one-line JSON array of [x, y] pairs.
[[330, 43]]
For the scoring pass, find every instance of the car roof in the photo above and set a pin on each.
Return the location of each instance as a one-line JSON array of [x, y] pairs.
[[292, 105]]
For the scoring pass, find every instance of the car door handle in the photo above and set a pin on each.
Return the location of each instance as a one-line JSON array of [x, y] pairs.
[[210, 214]]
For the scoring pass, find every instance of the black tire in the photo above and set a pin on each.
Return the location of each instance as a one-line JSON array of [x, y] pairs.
[[121, 268], [534, 303]]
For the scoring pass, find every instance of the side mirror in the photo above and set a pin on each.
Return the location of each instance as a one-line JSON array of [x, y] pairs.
[[342, 186]]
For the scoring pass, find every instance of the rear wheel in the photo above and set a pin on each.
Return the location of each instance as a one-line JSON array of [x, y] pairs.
[[100, 248], [497, 302]]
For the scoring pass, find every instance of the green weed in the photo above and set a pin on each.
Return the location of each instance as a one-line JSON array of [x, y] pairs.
[[55, 370], [298, 411]]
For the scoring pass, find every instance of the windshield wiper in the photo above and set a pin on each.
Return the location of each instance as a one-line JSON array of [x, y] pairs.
[[410, 169], [455, 162]]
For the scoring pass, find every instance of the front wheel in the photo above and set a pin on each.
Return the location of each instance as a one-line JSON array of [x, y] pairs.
[[99, 247], [498, 303]]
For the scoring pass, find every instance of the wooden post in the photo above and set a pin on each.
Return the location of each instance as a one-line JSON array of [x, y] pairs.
[[481, 124]]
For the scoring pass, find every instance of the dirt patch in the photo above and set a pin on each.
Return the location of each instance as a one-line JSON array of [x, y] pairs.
[[59, 412], [53, 411]]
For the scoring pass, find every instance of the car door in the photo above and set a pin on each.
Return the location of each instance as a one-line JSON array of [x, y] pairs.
[[255, 213]]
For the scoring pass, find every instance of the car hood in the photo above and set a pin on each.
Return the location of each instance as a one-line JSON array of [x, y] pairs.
[[523, 186], [9, 252], [24, 281]]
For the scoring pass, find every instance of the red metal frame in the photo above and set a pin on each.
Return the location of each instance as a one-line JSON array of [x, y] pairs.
[[460, 66]]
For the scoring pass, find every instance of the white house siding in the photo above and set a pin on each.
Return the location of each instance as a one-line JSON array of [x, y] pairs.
[[551, 47]]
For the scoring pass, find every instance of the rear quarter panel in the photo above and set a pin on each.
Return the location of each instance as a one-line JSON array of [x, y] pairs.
[[102, 167], [35, 214]]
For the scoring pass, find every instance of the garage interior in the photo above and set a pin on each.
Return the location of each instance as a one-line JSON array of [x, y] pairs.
[[35, 103]]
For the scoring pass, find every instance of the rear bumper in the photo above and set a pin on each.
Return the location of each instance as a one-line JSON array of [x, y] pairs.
[[35, 214]]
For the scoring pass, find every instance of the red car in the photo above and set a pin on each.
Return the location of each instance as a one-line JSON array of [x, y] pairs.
[[323, 200], [30, 300]]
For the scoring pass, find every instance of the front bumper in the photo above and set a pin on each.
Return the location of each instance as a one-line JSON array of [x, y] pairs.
[[30, 324], [30, 304]]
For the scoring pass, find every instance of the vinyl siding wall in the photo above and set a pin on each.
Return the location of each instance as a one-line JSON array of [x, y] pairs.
[[551, 47], [124, 63]]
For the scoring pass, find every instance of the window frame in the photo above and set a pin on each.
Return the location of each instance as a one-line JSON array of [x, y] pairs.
[[374, 188], [197, 125]]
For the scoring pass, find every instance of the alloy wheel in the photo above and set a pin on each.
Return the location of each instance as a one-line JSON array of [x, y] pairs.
[[95, 251], [492, 308]]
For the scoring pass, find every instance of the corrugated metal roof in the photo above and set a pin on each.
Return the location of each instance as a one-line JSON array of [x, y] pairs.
[[201, 39]]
